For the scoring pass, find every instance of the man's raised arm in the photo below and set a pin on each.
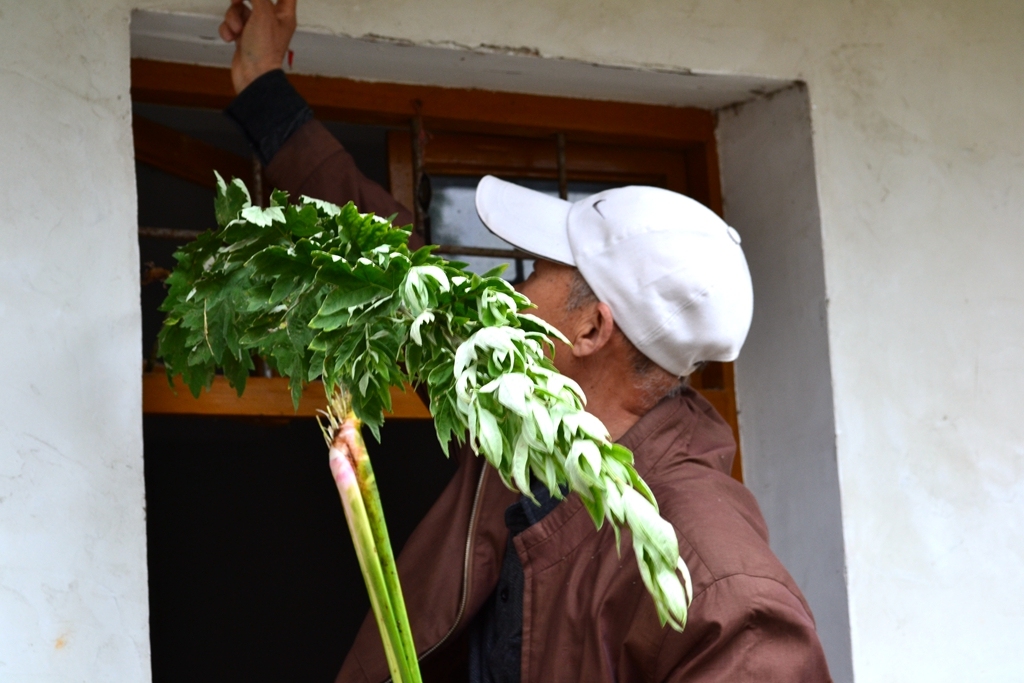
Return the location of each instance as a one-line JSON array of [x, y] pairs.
[[300, 155]]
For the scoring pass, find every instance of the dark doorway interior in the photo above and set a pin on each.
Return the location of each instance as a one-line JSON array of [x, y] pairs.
[[251, 571]]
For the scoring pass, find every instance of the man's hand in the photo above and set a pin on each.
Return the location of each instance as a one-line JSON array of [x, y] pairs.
[[261, 36]]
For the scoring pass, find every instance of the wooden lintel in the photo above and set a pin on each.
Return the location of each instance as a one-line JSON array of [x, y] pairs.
[[184, 156], [442, 108], [263, 397]]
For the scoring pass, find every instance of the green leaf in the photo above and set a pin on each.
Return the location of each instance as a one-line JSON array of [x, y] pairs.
[[337, 273], [282, 289], [331, 321], [295, 384], [423, 254], [586, 452], [279, 198], [346, 350], [230, 200], [442, 374], [496, 271], [241, 233], [303, 221], [347, 298], [263, 217], [236, 372], [595, 506], [275, 261]]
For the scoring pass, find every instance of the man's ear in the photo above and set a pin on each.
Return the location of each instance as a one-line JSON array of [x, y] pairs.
[[592, 330]]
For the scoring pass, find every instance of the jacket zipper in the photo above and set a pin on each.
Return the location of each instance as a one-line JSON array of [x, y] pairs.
[[465, 571]]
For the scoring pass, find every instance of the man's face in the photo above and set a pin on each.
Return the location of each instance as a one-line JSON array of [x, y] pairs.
[[548, 288]]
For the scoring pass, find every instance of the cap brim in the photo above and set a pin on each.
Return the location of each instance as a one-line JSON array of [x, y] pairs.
[[527, 219]]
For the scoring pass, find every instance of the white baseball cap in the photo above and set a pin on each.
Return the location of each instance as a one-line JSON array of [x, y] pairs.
[[670, 269]]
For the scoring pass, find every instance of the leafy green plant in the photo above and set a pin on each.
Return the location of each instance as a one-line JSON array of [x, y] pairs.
[[322, 291]]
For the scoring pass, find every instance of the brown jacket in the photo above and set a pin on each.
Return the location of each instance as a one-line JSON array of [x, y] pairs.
[[313, 163], [586, 613]]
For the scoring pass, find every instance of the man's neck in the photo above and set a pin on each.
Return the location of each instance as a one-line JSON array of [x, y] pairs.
[[616, 406]]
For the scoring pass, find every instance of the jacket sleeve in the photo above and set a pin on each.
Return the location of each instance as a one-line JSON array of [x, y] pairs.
[[312, 162], [300, 155], [744, 628]]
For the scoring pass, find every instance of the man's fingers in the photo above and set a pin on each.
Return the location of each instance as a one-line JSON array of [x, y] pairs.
[[285, 9], [261, 6], [226, 34], [234, 20]]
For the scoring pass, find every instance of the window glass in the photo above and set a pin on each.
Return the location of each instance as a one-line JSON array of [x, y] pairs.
[[454, 221]]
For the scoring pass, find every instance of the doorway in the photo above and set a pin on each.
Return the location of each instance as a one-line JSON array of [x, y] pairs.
[[252, 574]]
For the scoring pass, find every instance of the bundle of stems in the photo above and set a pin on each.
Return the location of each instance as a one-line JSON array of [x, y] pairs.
[[357, 486]]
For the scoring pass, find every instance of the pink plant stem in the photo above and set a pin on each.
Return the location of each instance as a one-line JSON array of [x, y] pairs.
[[366, 551], [406, 647]]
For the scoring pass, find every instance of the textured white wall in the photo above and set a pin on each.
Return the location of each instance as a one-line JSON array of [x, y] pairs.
[[73, 596], [919, 152]]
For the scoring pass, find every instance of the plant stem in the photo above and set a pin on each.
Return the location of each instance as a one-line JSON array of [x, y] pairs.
[[373, 574], [375, 512]]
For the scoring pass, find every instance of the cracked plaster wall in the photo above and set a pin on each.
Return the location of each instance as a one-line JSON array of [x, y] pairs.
[[919, 151]]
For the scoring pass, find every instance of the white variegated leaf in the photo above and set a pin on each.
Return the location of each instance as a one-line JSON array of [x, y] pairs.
[[414, 330], [590, 452], [520, 460], [326, 207], [513, 389], [435, 274], [490, 436], [464, 355]]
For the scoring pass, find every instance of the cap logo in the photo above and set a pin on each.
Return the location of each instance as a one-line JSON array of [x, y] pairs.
[[594, 207]]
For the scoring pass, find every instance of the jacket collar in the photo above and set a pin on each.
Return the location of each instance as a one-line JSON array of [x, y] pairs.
[[670, 429], [660, 439]]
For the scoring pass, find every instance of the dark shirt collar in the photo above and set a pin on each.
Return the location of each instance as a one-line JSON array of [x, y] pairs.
[[523, 513]]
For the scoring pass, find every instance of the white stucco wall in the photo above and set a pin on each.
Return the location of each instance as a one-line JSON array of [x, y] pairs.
[[73, 596], [919, 153]]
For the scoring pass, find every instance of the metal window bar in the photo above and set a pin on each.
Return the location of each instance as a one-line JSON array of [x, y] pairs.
[[563, 175]]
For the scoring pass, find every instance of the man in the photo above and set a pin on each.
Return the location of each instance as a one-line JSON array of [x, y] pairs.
[[646, 284]]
